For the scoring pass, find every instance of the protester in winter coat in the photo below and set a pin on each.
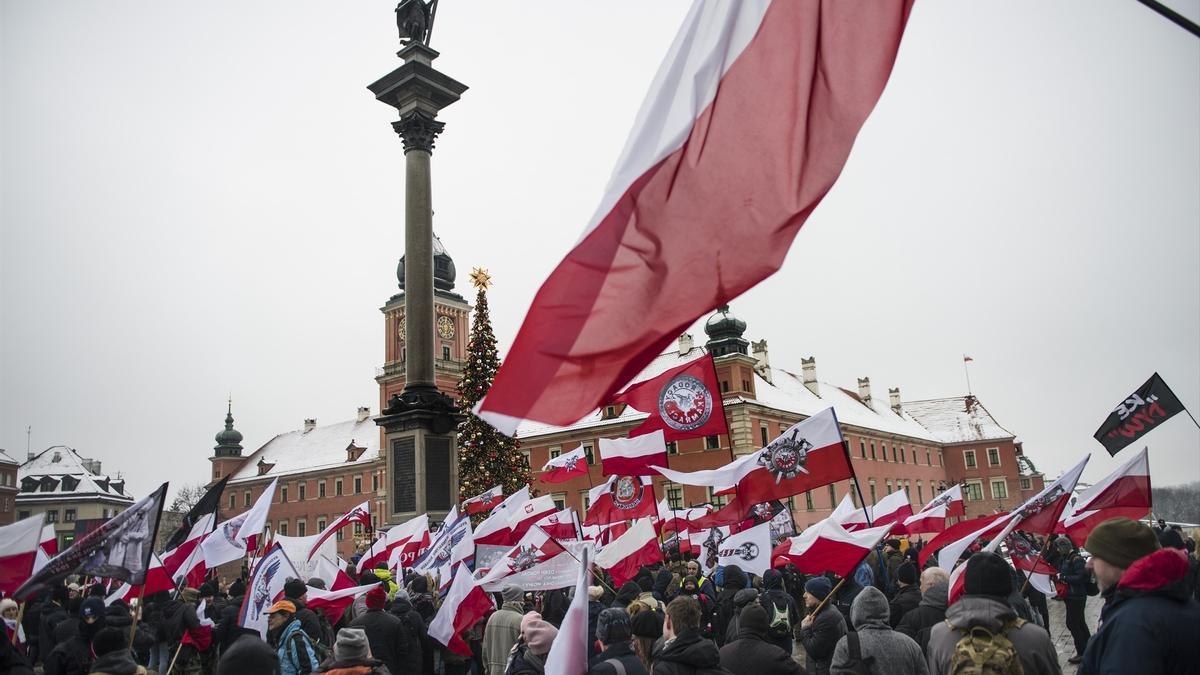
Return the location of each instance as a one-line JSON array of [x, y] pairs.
[[987, 581], [111, 647], [883, 649], [645, 584], [292, 644], [908, 594], [248, 653], [782, 613], [892, 559], [11, 661], [352, 653], [118, 616], [706, 586], [647, 629], [385, 633], [414, 631], [53, 613], [1072, 572], [1148, 623], [820, 631], [295, 591], [529, 654], [734, 581], [73, 656], [627, 593], [503, 630], [742, 598], [918, 623], [683, 650], [554, 606], [614, 631], [662, 585], [594, 609], [751, 653]]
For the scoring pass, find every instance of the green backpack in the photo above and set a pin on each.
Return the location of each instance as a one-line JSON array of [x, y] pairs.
[[982, 652]]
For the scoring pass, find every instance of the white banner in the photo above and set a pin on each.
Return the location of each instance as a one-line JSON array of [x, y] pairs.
[[558, 572], [749, 549]]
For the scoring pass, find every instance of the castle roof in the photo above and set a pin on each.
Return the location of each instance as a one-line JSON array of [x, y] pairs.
[[320, 447], [959, 419], [60, 471]]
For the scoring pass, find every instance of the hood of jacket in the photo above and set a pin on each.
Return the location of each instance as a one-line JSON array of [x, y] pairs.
[[735, 578], [690, 649], [662, 581], [1157, 572], [772, 579], [980, 610], [117, 663], [936, 596], [870, 609], [628, 592]]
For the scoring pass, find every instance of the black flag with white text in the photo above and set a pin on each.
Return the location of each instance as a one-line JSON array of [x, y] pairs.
[[1152, 404]]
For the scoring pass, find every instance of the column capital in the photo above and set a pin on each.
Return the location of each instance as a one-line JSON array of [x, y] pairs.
[[417, 130]]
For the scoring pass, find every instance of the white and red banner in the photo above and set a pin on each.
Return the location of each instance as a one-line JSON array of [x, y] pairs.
[[452, 545], [808, 455], [637, 456], [746, 126], [749, 549], [360, 514], [265, 585], [173, 559], [560, 525], [535, 550], [932, 517], [334, 602], [525, 515], [47, 548], [465, 604], [565, 467], [684, 402], [676, 519], [410, 537], [331, 573], [19, 545], [621, 498], [494, 530], [569, 651], [485, 501], [1124, 493], [228, 541], [891, 509], [158, 579], [828, 547], [955, 532], [625, 555]]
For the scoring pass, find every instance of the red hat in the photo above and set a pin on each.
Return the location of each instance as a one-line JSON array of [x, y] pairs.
[[376, 598]]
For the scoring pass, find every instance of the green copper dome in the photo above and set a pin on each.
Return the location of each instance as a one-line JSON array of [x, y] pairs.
[[229, 440], [725, 332]]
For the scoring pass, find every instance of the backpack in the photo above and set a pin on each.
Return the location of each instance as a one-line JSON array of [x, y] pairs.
[[781, 624], [856, 663], [981, 652]]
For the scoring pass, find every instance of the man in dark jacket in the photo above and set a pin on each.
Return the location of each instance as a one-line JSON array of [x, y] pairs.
[[908, 595], [248, 653], [1072, 572], [820, 632], [385, 633], [53, 613], [352, 654], [917, 623], [594, 609], [683, 650], [111, 647], [781, 610], [73, 656], [751, 653], [735, 580], [295, 591], [414, 630], [1148, 624], [614, 631]]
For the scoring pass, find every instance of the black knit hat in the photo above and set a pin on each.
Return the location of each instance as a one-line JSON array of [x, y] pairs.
[[108, 640], [294, 588], [754, 618], [987, 574], [647, 624], [906, 573], [645, 582]]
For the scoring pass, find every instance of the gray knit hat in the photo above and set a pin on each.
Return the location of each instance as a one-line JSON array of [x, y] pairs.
[[351, 645], [613, 626]]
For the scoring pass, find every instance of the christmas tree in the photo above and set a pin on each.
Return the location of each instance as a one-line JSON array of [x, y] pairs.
[[486, 457]]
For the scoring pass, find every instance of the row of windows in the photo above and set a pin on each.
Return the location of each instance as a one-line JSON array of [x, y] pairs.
[[993, 458], [302, 528], [284, 492], [973, 489], [68, 515]]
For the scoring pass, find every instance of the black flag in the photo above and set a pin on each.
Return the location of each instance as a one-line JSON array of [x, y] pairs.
[[207, 504], [1152, 404], [118, 549]]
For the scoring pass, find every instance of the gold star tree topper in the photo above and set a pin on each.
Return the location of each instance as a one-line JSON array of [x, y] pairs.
[[481, 279]]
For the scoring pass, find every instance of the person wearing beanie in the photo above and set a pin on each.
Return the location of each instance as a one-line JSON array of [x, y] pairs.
[[529, 654], [917, 623], [73, 654], [247, 653], [614, 630], [627, 593], [503, 629], [415, 634], [352, 655], [750, 652], [238, 588], [646, 627], [892, 559], [987, 583], [111, 648], [781, 610], [733, 579], [908, 595], [645, 584], [820, 630], [873, 641], [1148, 622], [295, 591], [1072, 572], [385, 633]]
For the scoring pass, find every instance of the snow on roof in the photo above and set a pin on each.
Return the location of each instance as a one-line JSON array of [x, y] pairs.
[[60, 470], [321, 447], [960, 419], [5, 459]]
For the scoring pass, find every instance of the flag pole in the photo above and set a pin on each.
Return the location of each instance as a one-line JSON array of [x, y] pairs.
[[172, 666], [968, 374], [866, 514], [137, 615]]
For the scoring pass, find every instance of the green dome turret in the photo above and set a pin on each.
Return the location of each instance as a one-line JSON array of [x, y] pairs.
[[725, 332], [229, 440], [444, 272]]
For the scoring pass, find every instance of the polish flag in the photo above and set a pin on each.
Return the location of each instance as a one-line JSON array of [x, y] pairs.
[[638, 456], [684, 402], [625, 555], [229, 541], [494, 530], [360, 514], [415, 530], [1025, 558], [569, 651], [331, 573], [808, 455], [887, 511], [192, 569], [19, 544], [731, 514], [954, 533], [334, 602], [604, 534], [172, 559], [932, 517], [560, 525], [47, 548], [676, 519], [621, 498], [565, 467], [525, 515], [535, 548], [465, 605], [485, 501], [1123, 493], [158, 579], [747, 125], [828, 547]]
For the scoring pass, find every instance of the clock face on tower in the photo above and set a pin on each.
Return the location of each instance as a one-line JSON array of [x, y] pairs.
[[400, 327], [445, 327]]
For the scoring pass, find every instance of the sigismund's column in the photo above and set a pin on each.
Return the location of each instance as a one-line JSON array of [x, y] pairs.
[[419, 423]]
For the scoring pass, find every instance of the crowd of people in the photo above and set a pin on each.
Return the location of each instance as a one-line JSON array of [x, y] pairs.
[[673, 618]]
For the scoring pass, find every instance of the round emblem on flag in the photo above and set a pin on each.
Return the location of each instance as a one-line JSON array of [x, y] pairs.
[[785, 457], [626, 492], [525, 558], [685, 403]]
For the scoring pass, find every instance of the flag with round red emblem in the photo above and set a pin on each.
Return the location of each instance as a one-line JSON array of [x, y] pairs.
[[684, 402]]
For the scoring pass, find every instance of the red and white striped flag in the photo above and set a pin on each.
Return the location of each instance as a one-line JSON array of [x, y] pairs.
[[19, 544], [173, 558], [932, 517], [560, 524], [637, 456], [828, 547], [229, 541], [334, 602], [625, 555], [525, 515], [747, 125], [676, 519], [808, 455], [565, 467], [360, 514], [409, 537], [494, 530], [534, 549], [621, 498], [465, 604], [485, 501], [684, 402], [1124, 493], [890, 510], [158, 579]]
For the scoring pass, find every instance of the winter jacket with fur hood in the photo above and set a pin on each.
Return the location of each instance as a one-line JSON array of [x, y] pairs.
[[893, 653]]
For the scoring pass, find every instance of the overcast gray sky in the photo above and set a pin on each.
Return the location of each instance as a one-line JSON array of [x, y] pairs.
[[203, 199]]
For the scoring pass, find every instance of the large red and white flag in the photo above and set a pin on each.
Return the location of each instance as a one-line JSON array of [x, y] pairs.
[[228, 541], [465, 604], [19, 545], [887, 511], [828, 547], [334, 602], [808, 455], [638, 456], [569, 651], [360, 514], [1026, 558], [331, 573], [565, 467], [560, 524], [684, 402], [158, 579], [670, 519], [603, 535], [955, 532], [267, 579], [625, 555], [173, 558], [535, 549], [414, 531], [525, 515], [1124, 493], [932, 517], [485, 501], [621, 498], [747, 125], [494, 530]]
